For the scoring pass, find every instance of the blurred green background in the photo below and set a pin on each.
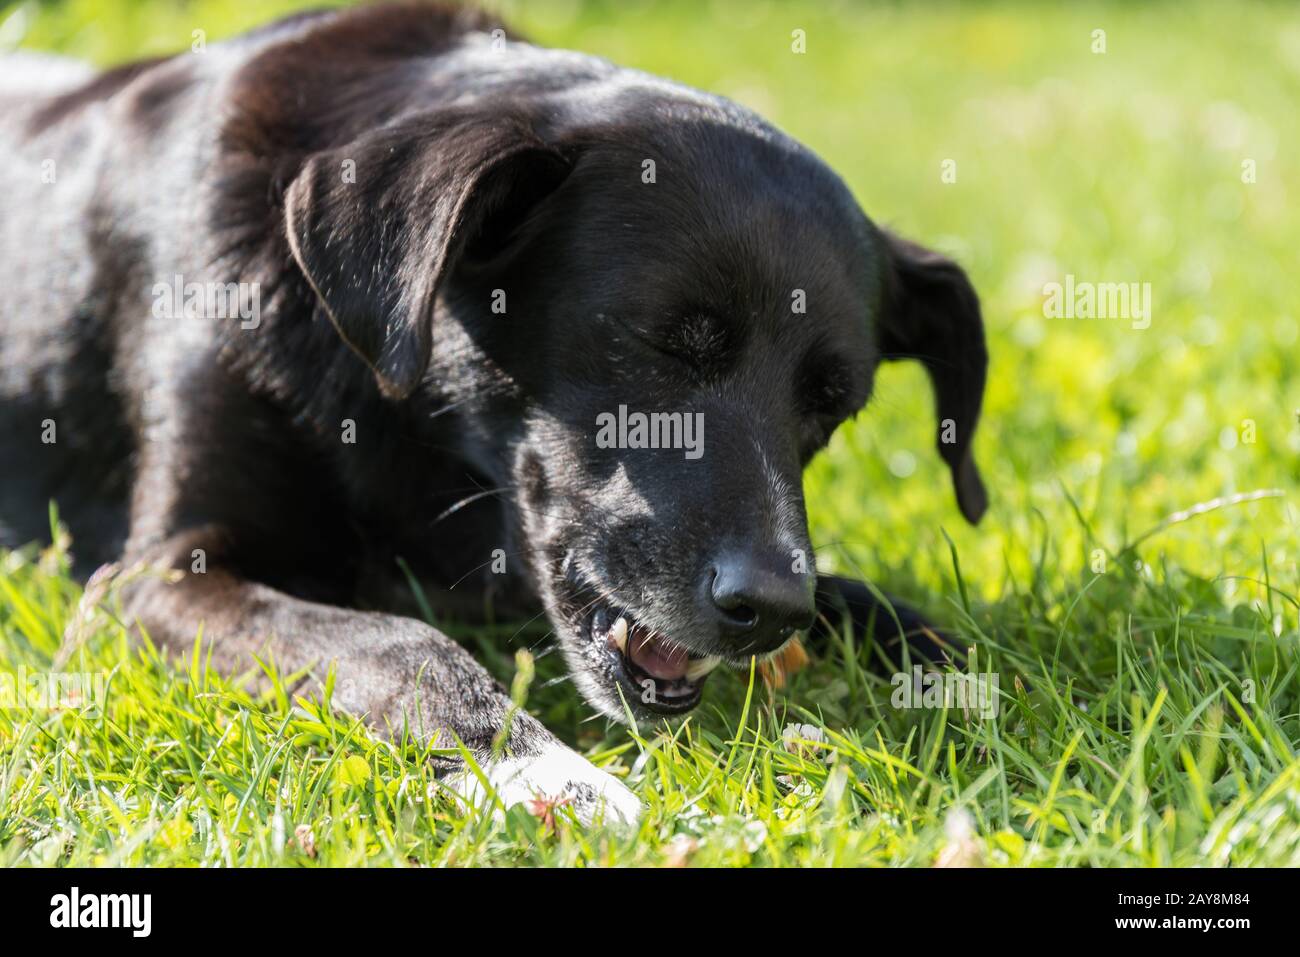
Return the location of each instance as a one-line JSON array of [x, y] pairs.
[[1119, 166]]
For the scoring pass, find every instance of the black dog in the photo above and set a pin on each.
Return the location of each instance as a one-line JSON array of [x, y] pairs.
[[388, 284]]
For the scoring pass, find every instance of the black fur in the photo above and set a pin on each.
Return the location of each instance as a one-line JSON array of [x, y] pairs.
[[478, 171]]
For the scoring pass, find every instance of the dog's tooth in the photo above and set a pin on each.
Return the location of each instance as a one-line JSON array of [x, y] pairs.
[[699, 668], [618, 634]]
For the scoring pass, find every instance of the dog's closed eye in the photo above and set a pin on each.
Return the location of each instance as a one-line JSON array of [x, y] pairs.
[[824, 387], [703, 338], [701, 341], [826, 397]]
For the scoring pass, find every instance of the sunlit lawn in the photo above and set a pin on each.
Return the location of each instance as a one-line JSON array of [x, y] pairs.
[[1149, 710]]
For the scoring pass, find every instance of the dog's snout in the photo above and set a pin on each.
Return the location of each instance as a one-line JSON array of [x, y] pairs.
[[758, 605]]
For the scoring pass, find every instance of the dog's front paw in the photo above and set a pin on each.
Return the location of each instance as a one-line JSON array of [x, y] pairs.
[[555, 778]]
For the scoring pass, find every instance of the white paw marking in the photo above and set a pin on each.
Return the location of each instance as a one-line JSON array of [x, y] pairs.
[[557, 773]]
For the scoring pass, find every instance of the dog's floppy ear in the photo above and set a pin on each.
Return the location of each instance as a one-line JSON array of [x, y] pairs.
[[377, 224], [931, 313]]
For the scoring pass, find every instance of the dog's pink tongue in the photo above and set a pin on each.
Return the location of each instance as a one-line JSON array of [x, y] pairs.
[[653, 656]]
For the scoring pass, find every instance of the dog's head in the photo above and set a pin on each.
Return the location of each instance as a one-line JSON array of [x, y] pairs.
[[649, 312]]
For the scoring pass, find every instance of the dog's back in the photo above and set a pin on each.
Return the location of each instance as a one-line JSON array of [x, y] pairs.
[[107, 186], [61, 436], [102, 198], [94, 168], [27, 76]]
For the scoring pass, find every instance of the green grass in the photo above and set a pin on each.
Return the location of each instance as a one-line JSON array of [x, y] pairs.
[[1150, 708]]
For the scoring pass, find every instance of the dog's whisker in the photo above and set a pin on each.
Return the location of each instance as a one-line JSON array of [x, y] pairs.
[[602, 598], [467, 500]]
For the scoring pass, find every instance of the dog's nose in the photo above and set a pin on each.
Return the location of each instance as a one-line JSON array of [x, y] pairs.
[[759, 606]]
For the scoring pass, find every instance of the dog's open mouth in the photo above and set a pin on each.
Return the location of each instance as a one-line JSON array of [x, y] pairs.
[[663, 676]]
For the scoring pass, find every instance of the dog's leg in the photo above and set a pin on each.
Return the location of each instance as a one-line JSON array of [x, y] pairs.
[[394, 671], [842, 601]]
